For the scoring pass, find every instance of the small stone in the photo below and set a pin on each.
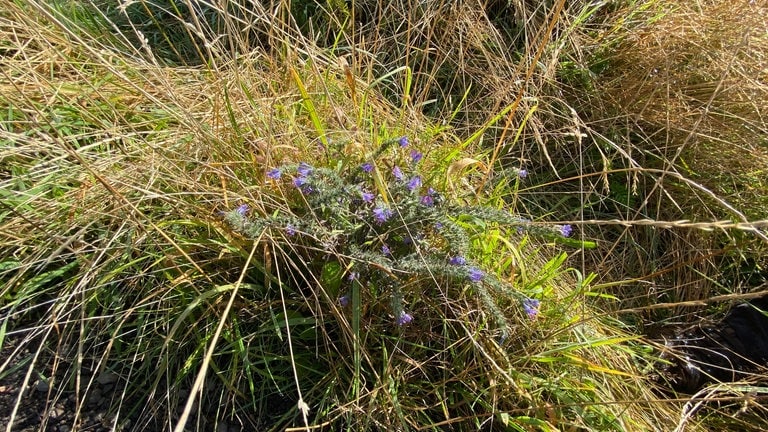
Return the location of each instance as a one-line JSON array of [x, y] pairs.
[[106, 378], [57, 411], [42, 385], [94, 398]]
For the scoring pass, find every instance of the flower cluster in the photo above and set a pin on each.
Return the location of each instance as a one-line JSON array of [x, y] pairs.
[[531, 307], [403, 226]]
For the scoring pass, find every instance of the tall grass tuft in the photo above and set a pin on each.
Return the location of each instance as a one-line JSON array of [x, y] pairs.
[[675, 116]]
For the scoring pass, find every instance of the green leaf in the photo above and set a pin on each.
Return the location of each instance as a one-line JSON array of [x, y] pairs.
[[331, 278], [43, 279]]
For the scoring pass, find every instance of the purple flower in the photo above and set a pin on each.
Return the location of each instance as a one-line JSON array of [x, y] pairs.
[[438, 226], [458, 260], [404, 318], [414, 183], [398, 173], [416, 156], [299, 181], [386, 251], [403, 141], [367, 196], [290, 230], [522, 173], [367, 167], [381, 214], [531, 307], [344, 300], [565, 230], [242, 209], [274, 173], [353, 275], [429, 199], [304, 169], [475, 274], [302, 185]]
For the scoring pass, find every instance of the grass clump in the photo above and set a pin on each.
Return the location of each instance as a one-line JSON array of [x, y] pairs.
[[674, 113], [265, 241]]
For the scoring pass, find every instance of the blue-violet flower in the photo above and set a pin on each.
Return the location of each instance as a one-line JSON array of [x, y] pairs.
[[398, 173], [299, 181], [403, 141], [457, 260], [344, 300], [304, 169], [428, 200], [416, 156], [475, 274], [242, 209], [274, 173], [414, 183], [381, 214], [531, 307], [367, 167], [404, 318], [565, 230], [367, 196]]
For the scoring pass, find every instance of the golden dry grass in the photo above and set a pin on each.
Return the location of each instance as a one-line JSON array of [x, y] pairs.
[[685, 91]]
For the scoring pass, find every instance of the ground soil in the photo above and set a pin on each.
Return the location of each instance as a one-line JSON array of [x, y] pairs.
[[49, 403], [40, 406]]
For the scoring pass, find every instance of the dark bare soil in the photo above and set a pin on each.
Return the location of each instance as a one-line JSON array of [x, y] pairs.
[[41, 406], [49, 402]]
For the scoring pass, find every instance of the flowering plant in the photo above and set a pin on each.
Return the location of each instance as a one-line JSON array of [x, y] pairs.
[[388, 223]]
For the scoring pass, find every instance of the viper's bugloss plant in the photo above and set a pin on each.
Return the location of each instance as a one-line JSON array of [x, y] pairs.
[[405, 230]]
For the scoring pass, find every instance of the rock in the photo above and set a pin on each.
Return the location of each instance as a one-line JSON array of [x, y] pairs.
[[107, 378], [57, 412], [95, 398], [42, 385]]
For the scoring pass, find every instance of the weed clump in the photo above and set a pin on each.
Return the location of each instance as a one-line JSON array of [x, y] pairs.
[[382, 222]]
